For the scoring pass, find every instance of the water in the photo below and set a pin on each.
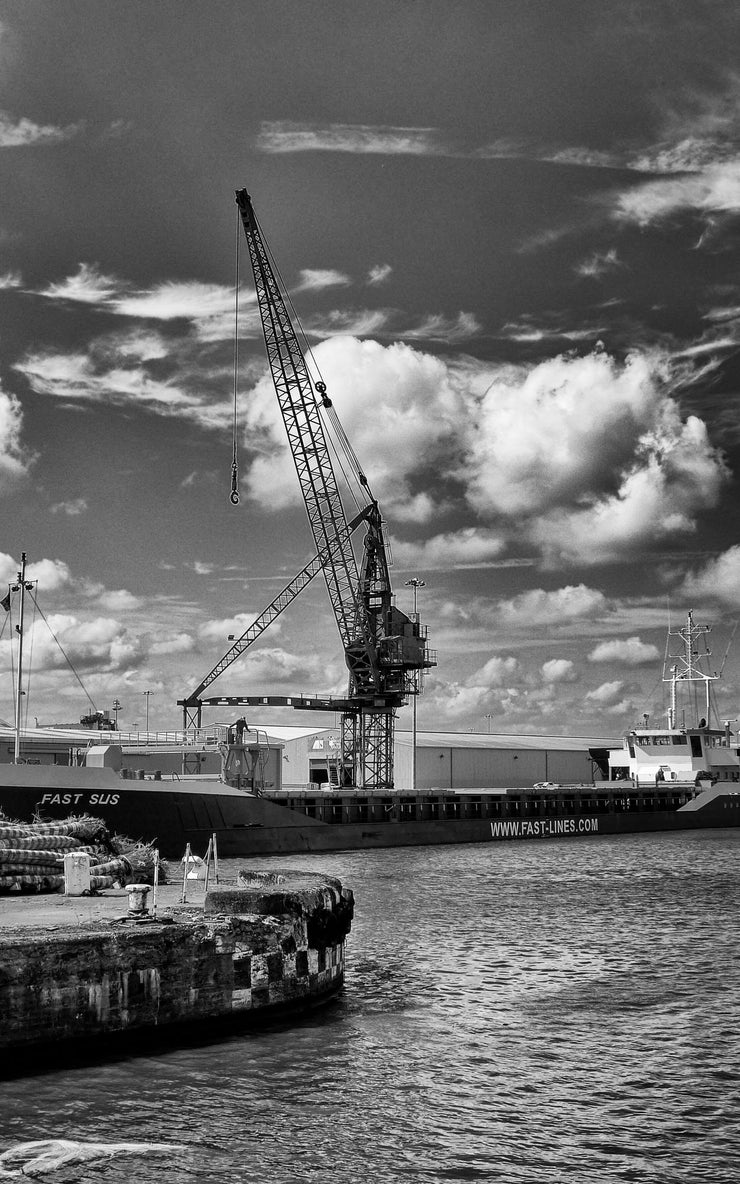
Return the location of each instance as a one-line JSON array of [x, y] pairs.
[[517, 1012]]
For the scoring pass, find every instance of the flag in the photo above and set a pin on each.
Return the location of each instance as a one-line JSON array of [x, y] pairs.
[[5, 602]]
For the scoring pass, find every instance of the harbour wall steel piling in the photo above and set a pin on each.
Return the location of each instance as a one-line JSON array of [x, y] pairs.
[[271, 946]]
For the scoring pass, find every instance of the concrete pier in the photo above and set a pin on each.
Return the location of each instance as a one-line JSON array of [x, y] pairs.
[[81, 969]]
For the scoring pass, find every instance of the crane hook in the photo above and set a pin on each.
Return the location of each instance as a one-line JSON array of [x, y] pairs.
[[234, 495], [321, 388]]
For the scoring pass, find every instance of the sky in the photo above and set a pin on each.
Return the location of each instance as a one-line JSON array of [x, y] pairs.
[[511, 232]]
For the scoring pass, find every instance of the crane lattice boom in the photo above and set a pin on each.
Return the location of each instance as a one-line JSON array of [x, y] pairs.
[[385, 650]]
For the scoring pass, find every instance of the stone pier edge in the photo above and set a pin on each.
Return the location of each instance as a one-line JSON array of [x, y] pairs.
[[258, 953]]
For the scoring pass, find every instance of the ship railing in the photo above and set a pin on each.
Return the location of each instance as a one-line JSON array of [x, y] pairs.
[[196, 738]]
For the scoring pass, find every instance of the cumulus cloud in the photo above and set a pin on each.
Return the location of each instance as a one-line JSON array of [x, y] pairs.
[[631, 651], [538, 607], [51, 574], [174, 643], [24, 133], [591, 454], [73, 508], [494, 673], [583, 458], [545, 434], [221, 629], [578, 458], [15, 459], [559, 670], [117, 600], [98, 642], [399, 407], [675, 474], [456, 699], [607, 694], [719, 579], [470, 547]]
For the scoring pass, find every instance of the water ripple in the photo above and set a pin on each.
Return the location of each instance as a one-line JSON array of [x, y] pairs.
[[524, 1014]]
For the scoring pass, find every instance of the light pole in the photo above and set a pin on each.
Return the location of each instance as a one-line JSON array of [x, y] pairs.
[[146, 695], [415, 584], [116, 709], [489, 717]]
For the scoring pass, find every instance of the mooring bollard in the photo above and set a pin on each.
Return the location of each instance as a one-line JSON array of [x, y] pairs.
[[137, 894]]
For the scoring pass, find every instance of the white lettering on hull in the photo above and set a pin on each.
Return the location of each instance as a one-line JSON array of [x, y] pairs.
[[74, 799], [545, 828]]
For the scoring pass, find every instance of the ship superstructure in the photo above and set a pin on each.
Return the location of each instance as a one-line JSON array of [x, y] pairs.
[[689, 748]]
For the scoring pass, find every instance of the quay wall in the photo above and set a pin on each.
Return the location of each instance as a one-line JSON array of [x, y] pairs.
[[272, 946]]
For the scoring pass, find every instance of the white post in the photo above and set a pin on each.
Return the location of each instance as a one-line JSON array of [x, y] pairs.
[[209, 851], [186, 865], [156, 881], [215, 856]]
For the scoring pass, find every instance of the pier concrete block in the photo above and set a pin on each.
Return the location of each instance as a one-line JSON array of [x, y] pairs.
[[247, 953]]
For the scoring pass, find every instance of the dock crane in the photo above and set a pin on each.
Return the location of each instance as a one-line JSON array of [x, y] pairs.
[[384, 649]]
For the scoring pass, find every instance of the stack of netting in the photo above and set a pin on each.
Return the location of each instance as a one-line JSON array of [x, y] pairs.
[[32, 855]]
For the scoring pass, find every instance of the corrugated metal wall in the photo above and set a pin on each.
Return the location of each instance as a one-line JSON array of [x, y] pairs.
[[486, 768]]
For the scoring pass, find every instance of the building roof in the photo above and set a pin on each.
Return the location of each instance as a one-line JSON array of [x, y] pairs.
[[507, 741], [288, 731]]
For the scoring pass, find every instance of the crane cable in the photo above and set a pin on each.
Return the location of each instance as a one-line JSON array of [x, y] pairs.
[[38, 609], [234, 495]]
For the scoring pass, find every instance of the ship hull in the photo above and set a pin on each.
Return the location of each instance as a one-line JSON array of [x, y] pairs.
[[174, 814]]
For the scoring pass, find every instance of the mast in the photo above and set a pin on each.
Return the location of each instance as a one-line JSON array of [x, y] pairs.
[[687, 665], [21, 587]]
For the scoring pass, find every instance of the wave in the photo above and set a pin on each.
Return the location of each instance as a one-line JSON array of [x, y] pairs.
[[48, 1155]]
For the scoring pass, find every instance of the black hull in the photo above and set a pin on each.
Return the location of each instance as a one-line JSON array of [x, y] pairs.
[[173, 814]]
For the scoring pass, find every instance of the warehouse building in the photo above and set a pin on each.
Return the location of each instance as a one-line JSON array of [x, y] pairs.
[[311, 756]]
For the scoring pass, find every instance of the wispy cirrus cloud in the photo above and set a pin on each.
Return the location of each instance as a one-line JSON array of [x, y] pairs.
[[284, 136], [527, 332], [713, 190], [171, 300], [355, 322], [11, 279], [598, 263], [723, 312], [437, 327], [379, 274], [315, 279], [208, 307], [85, 379]]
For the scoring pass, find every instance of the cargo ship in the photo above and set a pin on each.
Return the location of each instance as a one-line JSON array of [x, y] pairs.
[[663, 778]]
